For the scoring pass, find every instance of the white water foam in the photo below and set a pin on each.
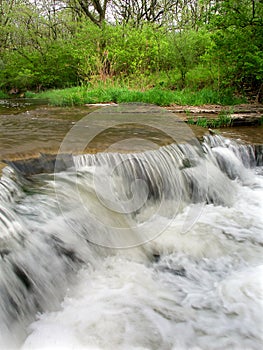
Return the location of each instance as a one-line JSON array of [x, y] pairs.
[[201, 289], [205, 292]]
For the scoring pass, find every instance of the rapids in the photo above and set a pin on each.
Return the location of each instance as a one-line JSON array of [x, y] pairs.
[[159, 249]]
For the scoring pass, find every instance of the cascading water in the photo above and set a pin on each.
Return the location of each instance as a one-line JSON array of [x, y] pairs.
[[187, 274]]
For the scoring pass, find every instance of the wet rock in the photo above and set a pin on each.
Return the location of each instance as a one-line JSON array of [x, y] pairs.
[[13, 91], [45, 163], [242, 119], [259, 155], [180, 271], [240, 115]]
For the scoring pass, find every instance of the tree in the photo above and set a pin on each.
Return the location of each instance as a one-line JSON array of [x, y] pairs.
[[238, 47], [6, 9], [175, 14], [95, 10], [185, 51], [37, 52], [161, 12]]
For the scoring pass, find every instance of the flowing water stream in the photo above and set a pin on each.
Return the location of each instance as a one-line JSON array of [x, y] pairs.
[[153, 249]]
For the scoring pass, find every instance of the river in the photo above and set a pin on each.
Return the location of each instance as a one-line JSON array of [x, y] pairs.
[[154, 243], [28, 127]]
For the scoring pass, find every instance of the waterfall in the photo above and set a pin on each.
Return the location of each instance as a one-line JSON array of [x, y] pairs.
[[147, 209]]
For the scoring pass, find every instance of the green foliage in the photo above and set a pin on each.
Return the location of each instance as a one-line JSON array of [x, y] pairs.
[[113, 93], [223, 119], [27, 69], [3, 94], [201, 121], [237, 47], [185, 51], [239, 57], [191, 121], [118, 51], [205, 52]]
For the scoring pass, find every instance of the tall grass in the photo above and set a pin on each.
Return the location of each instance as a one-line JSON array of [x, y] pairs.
[[118, 94]]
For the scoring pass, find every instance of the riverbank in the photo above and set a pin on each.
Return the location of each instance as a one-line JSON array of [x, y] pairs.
[[103, 93], [219, 115], [204, 107]]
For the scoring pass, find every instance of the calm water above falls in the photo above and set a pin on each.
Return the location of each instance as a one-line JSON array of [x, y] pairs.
[[28, 127], [187, 219]]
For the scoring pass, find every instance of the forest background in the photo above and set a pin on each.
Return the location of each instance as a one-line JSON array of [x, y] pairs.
[[188, 46]]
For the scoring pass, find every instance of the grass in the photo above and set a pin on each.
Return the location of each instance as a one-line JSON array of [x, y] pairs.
[[3, 95], [202, 122], [223, 120], [111, 93]]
